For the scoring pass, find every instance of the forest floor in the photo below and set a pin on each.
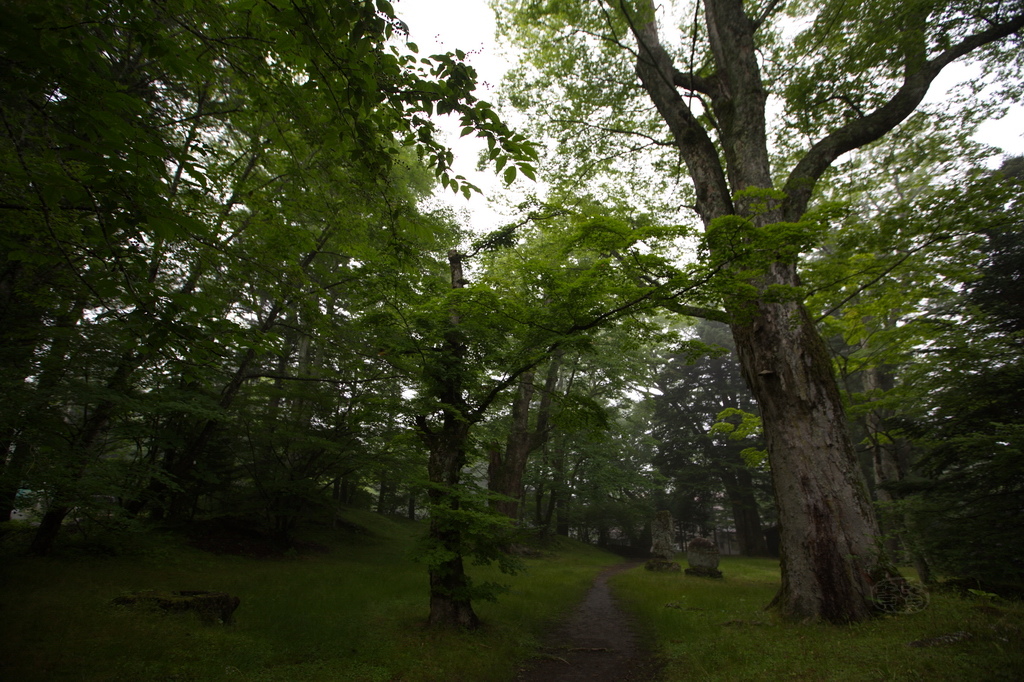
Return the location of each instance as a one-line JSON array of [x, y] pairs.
[[597, 642]]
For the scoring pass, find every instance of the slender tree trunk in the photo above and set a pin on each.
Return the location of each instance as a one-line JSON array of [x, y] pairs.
[[739, 488], [450, 603], [48, 530], [12, 475], [561, 505], [506, 470], [538, 507], [549, 511], [752, 541], [346, 487], [384, 498], [16, 451], [83, 451], [890, 462], [885, 462]]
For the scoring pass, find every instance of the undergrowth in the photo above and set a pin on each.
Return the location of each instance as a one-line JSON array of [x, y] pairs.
[[353, 610], [353, 607], [718, 630]]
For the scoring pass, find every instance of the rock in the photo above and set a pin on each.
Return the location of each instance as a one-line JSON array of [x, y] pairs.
[[663, 536], [211, 607], [702, 556]]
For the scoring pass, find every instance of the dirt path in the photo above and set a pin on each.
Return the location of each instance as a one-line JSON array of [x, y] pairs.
[[596, 643]]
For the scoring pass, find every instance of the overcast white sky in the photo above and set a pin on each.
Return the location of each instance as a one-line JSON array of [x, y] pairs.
[[468, 25]]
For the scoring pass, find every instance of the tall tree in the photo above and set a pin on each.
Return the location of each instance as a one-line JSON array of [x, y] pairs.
[[525, 435], [965, 494], [909, 215], [853, 73], [693, 393], [152, 155]]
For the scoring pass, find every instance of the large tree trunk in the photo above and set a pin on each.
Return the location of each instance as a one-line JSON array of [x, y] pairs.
[[828, 531]]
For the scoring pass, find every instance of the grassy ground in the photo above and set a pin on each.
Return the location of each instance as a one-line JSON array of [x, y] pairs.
[[355, 613], [718, 630]]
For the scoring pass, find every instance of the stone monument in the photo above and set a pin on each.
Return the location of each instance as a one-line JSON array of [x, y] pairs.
[[702, 555], [663, 543]]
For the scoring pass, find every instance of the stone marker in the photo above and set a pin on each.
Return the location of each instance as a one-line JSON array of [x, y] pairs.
[[663, 543], [702, 555]]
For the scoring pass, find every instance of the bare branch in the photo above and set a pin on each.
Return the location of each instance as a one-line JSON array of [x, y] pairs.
[[769, 10], [619, 131], [657, 73], [882, 275]]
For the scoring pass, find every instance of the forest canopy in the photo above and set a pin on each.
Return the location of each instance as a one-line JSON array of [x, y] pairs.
[[760, 286]]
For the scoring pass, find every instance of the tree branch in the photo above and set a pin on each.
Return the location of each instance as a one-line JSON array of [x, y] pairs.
[[863, 131], [324, 380], [769, 10], [882, 275], [618, 131], [657, 73], [693, 82]]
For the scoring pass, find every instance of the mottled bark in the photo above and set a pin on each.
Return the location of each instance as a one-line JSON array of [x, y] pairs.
[[828, 532]]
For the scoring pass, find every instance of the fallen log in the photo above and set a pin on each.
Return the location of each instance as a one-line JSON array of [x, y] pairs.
[[211, 607]]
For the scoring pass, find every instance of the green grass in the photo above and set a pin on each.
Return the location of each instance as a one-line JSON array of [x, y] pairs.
[[719, 630], [356, 613]]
